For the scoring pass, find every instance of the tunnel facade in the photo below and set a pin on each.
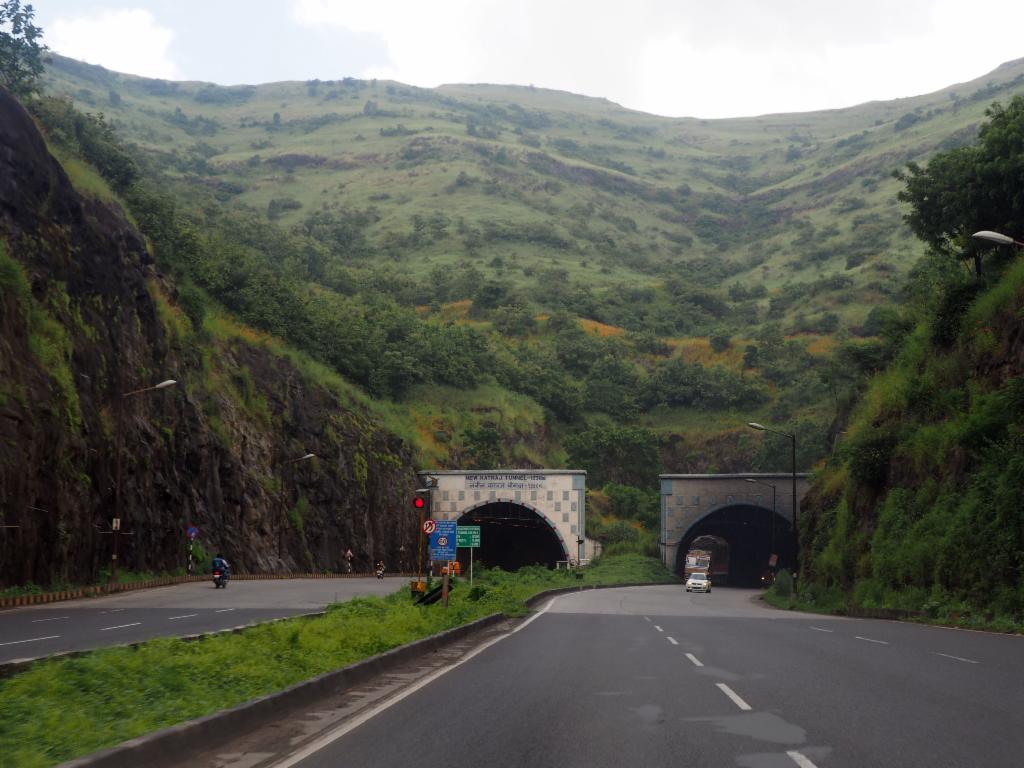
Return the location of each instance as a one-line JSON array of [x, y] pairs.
[[525, 516], [736, 512]]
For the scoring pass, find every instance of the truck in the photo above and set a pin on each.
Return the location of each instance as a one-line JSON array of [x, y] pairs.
[[697, 561]]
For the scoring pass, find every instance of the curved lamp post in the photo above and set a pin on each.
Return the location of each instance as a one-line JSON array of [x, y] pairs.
[[993, 237], [792, 441], [115, 527]]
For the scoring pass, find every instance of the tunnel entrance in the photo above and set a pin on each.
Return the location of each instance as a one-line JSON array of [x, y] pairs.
[[742, 536], [512, 535]]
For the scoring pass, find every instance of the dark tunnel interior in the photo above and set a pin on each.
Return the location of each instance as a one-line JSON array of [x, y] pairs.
[[748, 533], [511, 536]]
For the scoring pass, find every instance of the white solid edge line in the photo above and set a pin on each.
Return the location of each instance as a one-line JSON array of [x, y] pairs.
[[819, 629], [31, 640], [357, 721], [658, 628], [696, 662], [224, 610], [869, 640], [672, 640], [801, 760], [958, 658], [186, 616], [121, 626], [56, 618], [734, 696]]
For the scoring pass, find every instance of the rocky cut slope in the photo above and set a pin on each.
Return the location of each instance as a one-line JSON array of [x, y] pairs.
[[86, 318]]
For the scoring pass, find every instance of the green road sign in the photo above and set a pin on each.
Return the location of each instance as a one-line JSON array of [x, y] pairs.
[[467, 536]]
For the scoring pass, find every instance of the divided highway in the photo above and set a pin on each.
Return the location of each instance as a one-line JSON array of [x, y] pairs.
[[653, 676], [184, 609]]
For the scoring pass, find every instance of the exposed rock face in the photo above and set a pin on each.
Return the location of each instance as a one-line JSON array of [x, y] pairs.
[[84, 317]]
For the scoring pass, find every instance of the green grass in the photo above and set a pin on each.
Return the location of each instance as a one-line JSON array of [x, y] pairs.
[[65, 708]]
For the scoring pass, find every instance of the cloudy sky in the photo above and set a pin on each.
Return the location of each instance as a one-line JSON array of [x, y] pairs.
[[703, 58]]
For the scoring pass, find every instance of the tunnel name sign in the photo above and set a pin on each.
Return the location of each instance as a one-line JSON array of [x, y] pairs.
[[515, 481], [468, 536]]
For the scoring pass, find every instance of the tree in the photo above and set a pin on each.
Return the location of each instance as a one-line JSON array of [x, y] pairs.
[[625, 455], [21, 54]]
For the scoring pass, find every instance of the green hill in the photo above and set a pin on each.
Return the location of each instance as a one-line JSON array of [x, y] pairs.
[[513, 266]]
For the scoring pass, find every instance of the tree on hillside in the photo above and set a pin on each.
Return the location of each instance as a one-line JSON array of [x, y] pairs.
[[971, 188], [21, 54], [626, 455]]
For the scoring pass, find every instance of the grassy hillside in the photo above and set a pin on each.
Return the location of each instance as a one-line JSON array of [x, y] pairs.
[[505, 267], [517, 181]]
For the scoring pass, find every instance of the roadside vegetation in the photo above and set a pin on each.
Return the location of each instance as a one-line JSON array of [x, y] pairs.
[[63, 708], [919, 508]]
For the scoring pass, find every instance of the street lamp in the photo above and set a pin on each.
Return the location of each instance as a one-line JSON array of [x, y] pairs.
[[792, 440], [115, 528], [993, 237], [772, 486]]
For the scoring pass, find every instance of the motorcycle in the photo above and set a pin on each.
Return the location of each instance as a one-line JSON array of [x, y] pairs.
[[220, 579]]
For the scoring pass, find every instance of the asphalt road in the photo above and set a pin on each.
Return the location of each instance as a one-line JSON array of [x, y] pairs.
[[654, 676], [184, 609]]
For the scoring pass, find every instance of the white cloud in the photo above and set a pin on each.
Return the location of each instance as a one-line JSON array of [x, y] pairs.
[[686, 57], [126, 40]]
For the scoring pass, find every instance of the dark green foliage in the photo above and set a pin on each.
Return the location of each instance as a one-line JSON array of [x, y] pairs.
[[626, 455], [21, 53], [678, 383], [869, 459], [631, 503], [483, 447]]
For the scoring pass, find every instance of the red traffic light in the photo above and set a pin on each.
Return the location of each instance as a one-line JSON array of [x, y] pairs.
[[419, 502]]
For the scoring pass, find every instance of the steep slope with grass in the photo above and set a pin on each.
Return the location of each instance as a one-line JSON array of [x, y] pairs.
[[921, 507], [85, 316]]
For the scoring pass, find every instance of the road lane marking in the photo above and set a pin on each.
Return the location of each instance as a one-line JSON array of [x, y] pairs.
[[696, 662], [869, 640], [186, 616], [112, 610], [734, 696], [357, 721], [819, 629], [801, 760], [958, 658], [224, 610], [121, 626], [658, 628], [647, 618], [672, 640], [56, 618], [31, 640]]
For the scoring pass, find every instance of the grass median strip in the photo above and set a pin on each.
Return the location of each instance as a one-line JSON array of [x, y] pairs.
[[64, 708]]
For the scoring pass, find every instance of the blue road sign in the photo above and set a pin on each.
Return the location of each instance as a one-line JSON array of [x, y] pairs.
[[442, 541], [192, 532]]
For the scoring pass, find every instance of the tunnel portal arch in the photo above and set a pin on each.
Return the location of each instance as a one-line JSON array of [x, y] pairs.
[[512, 535], [749, 536]]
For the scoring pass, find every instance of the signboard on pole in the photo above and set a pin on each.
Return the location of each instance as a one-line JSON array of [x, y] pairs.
[[442, 541], [468, 536], [429, 526]]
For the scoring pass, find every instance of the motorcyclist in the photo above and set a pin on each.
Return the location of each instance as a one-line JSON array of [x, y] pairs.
[[220, 564]]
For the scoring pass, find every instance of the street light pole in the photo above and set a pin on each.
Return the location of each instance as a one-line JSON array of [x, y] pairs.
[[285, 492], [792, 440], [115, 527], [992, 237]]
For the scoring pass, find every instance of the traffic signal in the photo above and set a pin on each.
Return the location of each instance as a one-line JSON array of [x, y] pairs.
[[421, 501]]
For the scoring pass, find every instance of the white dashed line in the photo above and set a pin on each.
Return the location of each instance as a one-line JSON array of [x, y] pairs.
[[819, 629], [31, 640], [658, 628], [55, 618], [958, 658], [696, 662], [869, 640], [186, 616], [672, 640], [224, 610], [121, 626], [112, 610], [734, 696], [647, 618], [800, 760]]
